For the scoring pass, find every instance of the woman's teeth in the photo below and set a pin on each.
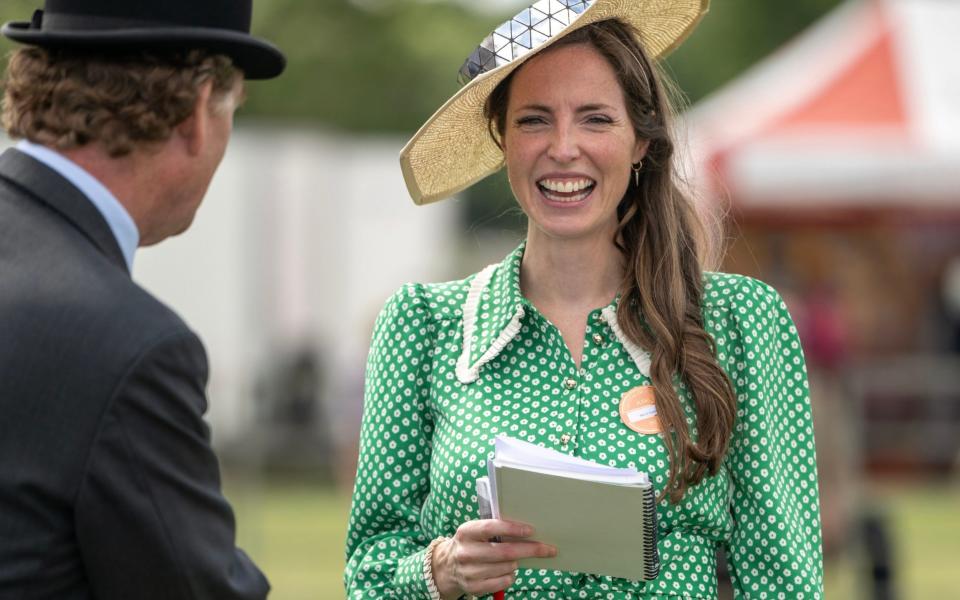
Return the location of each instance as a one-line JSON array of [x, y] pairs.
[[568, 190], [565, 186]]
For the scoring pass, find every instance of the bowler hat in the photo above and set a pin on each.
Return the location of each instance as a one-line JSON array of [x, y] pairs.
[[221, 26]]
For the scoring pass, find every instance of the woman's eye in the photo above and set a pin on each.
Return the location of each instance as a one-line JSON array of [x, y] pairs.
[[530, 120], [599, 120]]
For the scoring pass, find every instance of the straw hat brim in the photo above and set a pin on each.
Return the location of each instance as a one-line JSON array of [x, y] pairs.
[[453, 149]]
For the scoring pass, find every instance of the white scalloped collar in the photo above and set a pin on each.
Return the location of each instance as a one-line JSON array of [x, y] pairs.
[[492, 315]]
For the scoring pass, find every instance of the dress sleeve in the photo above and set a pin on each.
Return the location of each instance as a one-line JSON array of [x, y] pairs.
[[775, 548], [385, 541]]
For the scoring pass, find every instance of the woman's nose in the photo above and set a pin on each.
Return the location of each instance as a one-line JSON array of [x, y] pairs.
[[564, 147]]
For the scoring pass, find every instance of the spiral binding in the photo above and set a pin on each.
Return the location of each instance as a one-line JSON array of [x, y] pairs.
[[651, 556]]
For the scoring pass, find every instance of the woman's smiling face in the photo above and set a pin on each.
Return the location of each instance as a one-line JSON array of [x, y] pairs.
[[569, 143]]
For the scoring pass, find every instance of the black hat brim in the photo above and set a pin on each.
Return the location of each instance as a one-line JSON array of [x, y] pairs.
[[258, 59]]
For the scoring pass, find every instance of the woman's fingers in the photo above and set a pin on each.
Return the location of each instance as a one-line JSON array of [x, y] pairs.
[[472, 563], [475, 543], [487, 552], [487, 529], [474, 572]]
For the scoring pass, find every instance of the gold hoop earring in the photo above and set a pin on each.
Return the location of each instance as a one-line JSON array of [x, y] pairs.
[[636, 172]]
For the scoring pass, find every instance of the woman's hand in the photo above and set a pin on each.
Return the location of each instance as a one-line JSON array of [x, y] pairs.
[[469, 563]]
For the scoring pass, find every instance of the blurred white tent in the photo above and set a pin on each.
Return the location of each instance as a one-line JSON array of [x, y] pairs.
[[302, 237], [859, 113], [299, 242]]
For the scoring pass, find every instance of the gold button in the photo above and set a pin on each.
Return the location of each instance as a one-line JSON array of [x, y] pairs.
[[565, 439], [569, 383], [597, 339], [601, 318]]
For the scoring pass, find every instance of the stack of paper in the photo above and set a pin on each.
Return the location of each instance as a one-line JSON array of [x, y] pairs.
[[601, 519]]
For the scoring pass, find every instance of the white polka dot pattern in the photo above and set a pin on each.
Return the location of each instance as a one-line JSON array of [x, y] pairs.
[[426, 437]]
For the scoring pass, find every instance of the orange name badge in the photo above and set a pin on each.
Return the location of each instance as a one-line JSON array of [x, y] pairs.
[[638, 410]]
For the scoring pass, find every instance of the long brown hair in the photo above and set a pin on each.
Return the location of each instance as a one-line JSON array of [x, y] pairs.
[[665, 245]]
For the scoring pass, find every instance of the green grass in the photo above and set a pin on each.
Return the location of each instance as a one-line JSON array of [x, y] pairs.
[[295, 532], [926, 528]]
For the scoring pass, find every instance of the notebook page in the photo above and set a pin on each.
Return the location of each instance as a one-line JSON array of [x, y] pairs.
[[529, 456]]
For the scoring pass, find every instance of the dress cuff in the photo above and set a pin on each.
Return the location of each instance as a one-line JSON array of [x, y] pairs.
[[408, 579]]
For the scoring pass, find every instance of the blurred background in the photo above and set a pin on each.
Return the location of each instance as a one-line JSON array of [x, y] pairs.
[[828, 133]]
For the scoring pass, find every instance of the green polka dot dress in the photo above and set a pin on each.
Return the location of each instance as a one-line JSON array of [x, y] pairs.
[[452, 365]]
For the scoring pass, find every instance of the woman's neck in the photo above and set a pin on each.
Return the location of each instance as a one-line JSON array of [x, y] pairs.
[[574, 274]]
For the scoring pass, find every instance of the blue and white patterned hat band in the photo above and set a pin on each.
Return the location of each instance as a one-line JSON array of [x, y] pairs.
[[453, 150], [528, 29]]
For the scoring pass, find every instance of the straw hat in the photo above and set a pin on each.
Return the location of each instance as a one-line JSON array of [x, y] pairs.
[[453, 149]]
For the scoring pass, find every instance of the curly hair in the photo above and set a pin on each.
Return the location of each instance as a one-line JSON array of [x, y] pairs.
[[666, 246], [65, 99]]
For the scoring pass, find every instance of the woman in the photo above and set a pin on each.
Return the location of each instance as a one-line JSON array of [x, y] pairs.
[[602, 309]]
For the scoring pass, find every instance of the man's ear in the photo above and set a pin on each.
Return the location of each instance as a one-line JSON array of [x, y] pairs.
[[194, 129]]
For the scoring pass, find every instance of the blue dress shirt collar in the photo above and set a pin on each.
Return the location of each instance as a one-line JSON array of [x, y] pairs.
[[116, 216]]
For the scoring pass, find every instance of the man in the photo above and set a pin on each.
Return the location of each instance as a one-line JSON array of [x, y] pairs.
[[109, 487]]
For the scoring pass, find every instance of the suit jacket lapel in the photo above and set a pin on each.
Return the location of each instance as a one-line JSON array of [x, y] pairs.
[[49, 187]]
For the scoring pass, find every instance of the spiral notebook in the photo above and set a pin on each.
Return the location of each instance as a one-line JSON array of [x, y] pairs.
[[602, 520]]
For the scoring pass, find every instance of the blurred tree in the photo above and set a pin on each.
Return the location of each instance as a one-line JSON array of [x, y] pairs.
[[386, 65], [736, 34], [376, 66]]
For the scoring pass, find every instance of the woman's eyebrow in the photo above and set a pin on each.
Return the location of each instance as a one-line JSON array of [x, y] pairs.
[[585, 108], [537, 108], [593, 107]]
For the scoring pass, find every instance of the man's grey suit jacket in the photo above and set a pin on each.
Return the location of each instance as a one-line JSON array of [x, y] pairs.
[[109, 488]]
